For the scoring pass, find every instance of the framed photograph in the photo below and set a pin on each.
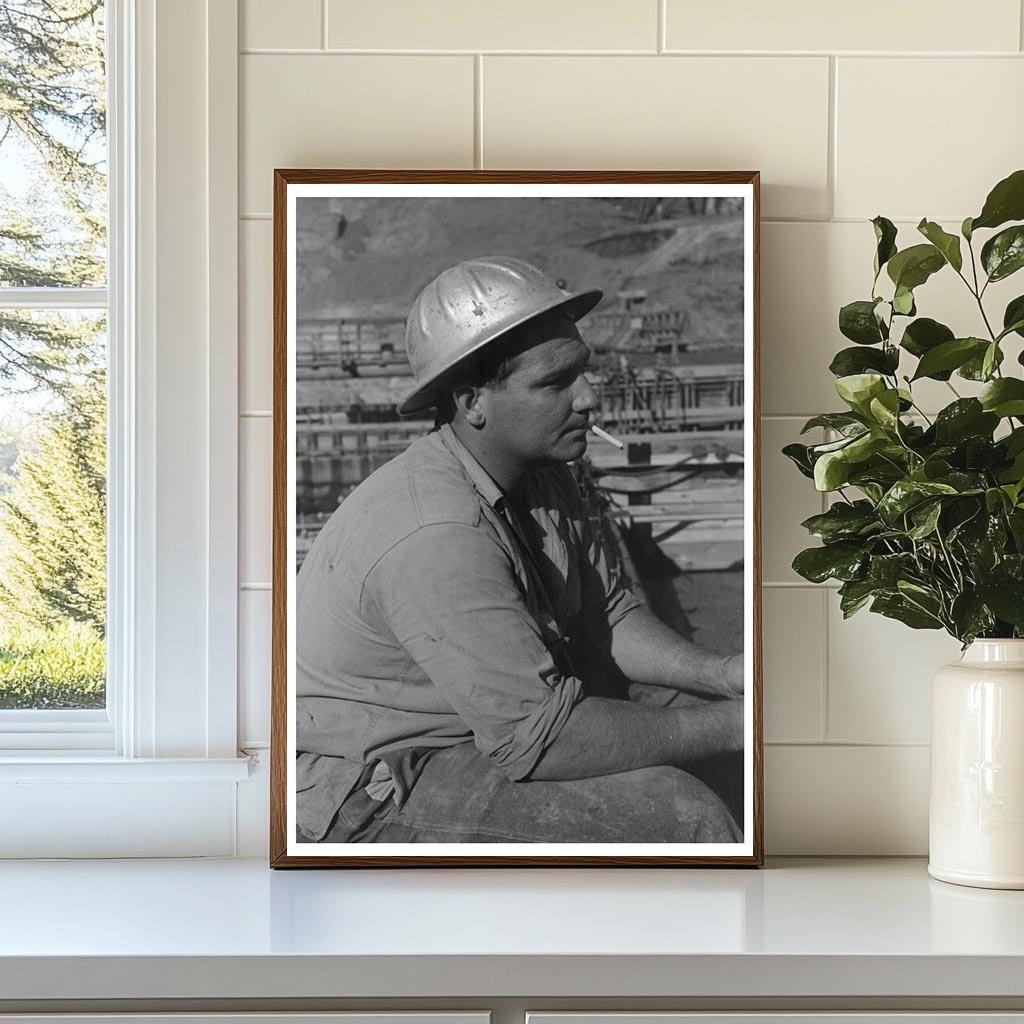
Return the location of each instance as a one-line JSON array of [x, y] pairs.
[[516, 556]]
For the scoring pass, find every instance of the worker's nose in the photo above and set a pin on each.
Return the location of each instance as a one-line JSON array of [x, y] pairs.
[[585, 399]]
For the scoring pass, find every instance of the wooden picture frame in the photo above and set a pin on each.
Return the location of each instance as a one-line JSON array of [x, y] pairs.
[[684, 243]]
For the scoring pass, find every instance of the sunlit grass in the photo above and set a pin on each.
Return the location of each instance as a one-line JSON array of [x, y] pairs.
[[62, 667]]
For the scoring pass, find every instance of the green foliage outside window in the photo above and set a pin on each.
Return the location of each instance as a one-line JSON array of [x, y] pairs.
[[52, 365], [927, 525]]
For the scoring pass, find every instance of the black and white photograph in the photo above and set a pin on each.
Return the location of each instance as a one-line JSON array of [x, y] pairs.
[[516, 565]]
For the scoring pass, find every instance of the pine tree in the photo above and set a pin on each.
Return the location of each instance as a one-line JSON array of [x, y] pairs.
[[53, 234], [53, 520], [53, 120]]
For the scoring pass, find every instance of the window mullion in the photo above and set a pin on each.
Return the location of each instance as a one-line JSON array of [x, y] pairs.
[[53, 298]]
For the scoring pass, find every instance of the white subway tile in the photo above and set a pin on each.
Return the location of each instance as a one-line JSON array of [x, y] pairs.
[[879, 677], [787, 498], [254, 626], [255, 504], [793, 642], [255, 320], [846, 801], [351, 111], [869, 25], [679, 113], [804, 280], [468, 25], [269, 24], [926, 137], [809, 271]]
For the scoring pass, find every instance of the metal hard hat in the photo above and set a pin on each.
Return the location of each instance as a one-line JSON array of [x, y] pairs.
[[470, 305]]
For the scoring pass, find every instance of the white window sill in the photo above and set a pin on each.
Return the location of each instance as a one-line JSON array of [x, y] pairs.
[[74, 766], [88, 806]]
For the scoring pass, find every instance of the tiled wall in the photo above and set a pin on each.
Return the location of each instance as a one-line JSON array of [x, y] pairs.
[[906, 109]]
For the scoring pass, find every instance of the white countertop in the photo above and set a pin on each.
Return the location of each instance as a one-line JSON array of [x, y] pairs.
[[234, 929]]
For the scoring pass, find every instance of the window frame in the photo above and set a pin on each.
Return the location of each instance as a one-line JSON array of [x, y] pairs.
[[172, 468]]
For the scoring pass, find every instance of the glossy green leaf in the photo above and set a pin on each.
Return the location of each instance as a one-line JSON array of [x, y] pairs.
[[858, 389], [834, 446], [831, 471], [1005, 596], [849, 361], [1005, 202], [964, 418], [990, 360], [885, 409], [965, 229], [903, 302], [864, 447], [885, 238], [923, 335], [872, 491], [1015, 520], [841, 421], [971, 617], [1013, 317], [913, 266], [1003, 254], [887, 570], [840, 561], [799, 455], [899, 608], [974, 368], [925, 518], [1004, 397], [947, 244], [994, 500], [1014, 441], [950, 355], [857, 321], [904, 495], [854, 595], [843, 521], [964, 481]]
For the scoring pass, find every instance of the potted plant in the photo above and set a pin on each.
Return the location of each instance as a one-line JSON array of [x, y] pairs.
[[927, 521]]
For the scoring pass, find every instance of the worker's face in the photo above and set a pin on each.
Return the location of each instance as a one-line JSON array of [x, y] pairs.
[[540, 413]]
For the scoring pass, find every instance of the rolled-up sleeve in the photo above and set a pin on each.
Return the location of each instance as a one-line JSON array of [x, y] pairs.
[[449, 595]]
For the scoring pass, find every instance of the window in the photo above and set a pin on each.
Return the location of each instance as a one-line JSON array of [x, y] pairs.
[[53, 370], [156, 770]]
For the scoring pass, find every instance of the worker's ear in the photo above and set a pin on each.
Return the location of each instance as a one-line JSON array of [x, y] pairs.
[[470, 404]]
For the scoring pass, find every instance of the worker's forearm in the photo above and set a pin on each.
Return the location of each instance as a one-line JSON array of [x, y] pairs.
[[603, 737], [645, 650]]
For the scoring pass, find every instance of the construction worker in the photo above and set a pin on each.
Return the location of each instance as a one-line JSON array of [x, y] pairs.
[[469, 666]]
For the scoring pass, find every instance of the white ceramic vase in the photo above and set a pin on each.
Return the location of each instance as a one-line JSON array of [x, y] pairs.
[[976, 814]]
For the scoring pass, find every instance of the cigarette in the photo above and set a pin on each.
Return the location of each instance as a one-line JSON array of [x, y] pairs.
[[605, 436]]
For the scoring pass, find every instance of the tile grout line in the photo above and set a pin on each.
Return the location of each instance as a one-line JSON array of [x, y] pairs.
[[478, 111], [662, 41], [825, 709], [768, 55], [1020, 24], [831, 171], [323, 24], [851, 744]]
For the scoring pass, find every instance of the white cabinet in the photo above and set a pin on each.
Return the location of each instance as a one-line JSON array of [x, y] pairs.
[[366, 1017], [787, 1017]]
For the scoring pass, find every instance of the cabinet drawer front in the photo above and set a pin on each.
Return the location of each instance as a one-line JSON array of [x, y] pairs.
[[789, 1017], [361, 1017]]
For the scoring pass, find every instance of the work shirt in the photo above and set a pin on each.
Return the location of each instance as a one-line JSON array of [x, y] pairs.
[[433, 609]]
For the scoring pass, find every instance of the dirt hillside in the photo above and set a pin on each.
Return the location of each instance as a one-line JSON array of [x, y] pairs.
[[371, 256]]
